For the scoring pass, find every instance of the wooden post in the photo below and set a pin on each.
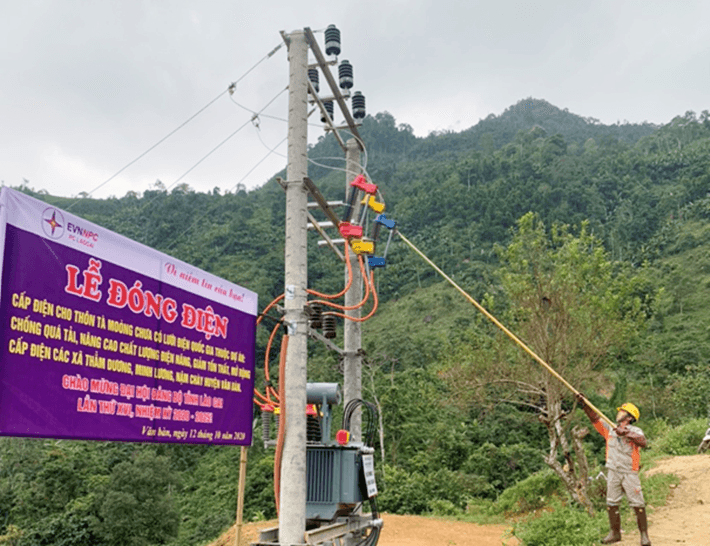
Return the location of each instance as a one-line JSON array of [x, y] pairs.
[[240, 495]]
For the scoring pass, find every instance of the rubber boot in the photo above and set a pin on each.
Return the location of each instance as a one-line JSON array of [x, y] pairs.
[[614, 525], [643, 526]]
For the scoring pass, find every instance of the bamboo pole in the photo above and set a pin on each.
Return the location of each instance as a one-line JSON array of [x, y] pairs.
[[240, 496], [507, 332]]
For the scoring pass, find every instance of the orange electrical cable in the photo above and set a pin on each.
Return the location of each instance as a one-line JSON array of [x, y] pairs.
[[268, 308], [347, 286], [282, 423], [257, 393], [267, 398], [270, 390], [372, 311], [350, 307]]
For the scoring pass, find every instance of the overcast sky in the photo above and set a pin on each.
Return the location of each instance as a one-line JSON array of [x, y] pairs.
[[88, 86]]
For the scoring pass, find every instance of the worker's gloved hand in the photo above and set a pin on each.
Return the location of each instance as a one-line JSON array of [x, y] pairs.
[[582, 401], [635, 437], [621, 431]]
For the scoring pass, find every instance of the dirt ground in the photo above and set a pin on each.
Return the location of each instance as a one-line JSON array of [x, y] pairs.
[[685, 520], [408, 531]]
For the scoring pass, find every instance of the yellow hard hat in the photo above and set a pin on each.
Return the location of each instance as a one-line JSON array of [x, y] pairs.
[[629, 408]]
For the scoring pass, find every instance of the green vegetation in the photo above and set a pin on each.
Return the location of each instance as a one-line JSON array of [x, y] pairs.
[[610, 223]]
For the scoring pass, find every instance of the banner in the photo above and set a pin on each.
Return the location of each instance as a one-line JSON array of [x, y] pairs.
[[103, 338]]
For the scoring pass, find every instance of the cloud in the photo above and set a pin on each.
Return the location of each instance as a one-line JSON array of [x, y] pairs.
[[102, 82]]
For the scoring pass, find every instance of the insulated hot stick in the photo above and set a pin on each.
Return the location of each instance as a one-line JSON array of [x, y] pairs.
[[507, 332]]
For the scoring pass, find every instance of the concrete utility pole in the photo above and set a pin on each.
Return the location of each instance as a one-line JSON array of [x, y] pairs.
[[292, 498], [352, 334]]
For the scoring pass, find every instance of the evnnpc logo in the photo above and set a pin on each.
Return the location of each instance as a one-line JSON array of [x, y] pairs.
[[53, 223]]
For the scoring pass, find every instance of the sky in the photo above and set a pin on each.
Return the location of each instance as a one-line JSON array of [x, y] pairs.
[[87, 87]]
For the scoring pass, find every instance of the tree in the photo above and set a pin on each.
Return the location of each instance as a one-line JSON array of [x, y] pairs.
[[138, 508], [576, 312]]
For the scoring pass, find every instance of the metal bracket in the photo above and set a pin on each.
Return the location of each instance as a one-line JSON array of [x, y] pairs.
[[315, 334], [335, 88]]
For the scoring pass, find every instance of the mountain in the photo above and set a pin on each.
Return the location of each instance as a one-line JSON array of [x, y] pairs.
[[643, 190]]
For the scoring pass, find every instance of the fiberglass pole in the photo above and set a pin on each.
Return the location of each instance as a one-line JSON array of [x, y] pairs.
[[507, 332]]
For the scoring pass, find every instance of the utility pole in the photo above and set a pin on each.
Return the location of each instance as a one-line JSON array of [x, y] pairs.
[[292, 498], [352, 331]]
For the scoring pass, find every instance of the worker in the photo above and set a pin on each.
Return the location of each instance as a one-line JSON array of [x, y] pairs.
[[705, 442], [623, 456]]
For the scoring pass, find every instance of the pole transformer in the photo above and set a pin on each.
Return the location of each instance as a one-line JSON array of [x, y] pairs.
[[292, 498]]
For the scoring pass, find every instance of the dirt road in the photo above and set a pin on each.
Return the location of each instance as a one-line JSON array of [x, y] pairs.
[[685, 520], [410, 531]]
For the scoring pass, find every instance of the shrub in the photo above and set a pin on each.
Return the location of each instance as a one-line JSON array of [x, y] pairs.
[[530, 494], [689, 392], [444, 508], [504, 465], [683, 439], [563, 526], [406, 492]]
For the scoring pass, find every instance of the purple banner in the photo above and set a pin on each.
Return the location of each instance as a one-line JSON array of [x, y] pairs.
[[102, 338]]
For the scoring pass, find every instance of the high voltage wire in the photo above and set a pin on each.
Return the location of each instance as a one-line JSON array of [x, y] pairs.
[[146, 205], [225, 140], [153, 147], [231, 87], [196, 220], [219, 145], [270, 151]]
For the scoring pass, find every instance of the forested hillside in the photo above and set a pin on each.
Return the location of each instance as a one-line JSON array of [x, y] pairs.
[[636, 203]]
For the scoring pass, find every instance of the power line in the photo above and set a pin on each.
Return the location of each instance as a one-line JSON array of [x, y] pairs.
[[196, 220], [225, 140], [146, 205], [153, 147], [229, 89]]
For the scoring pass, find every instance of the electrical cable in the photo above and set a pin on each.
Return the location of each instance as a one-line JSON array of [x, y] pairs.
[[257, 393], [331, 167], [153, 147], [362, 147], [282, 423], [196, 220], [210, 153], [210, 103], [256, 116], [349, 307], [223, 142], [344, 290], [270, 390], [347, 286], [266, 399], [271, 150], [374, 306], [349, 411], [268, 307]]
